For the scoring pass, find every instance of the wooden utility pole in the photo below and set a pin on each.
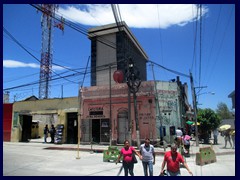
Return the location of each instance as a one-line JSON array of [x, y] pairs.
[[158, 109], [194, 108], [79, 120]]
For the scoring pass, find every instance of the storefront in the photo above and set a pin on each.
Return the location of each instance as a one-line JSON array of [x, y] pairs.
[[98, 107]]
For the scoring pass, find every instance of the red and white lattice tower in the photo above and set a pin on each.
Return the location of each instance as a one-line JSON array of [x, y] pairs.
[[48, 12]]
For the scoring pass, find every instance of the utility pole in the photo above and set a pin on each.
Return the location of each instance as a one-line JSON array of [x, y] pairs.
[[195, 109], [158, 109], [79, 119], [110, 104], [80, 102]]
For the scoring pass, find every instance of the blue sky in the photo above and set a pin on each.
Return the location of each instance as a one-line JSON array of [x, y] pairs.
[[166, 32]]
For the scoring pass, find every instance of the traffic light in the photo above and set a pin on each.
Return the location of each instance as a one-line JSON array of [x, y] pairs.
[[130, 65], [132, 79]]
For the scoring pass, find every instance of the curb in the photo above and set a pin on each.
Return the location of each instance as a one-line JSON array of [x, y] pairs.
[[101, 150]]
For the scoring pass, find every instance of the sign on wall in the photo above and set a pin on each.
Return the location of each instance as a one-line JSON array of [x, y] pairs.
[[15, 119]]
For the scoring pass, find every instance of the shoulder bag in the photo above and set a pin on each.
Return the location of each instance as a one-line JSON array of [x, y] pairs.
[[134, 159]]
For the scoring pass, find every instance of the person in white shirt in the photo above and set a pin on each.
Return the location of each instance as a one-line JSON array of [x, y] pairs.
[[148, 157], [179, 134]]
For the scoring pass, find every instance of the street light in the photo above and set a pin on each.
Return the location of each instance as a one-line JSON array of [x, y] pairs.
[[212, 93], [133, 82], [195, 114]]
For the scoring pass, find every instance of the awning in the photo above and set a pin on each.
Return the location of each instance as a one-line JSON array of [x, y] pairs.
[[36, 120], [189, 122]]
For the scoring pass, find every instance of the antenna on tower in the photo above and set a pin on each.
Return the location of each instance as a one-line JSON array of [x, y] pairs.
[[48, 13]]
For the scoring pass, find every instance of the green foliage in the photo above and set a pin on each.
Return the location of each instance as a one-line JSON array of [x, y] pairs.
[[223, 111], [208, 120]]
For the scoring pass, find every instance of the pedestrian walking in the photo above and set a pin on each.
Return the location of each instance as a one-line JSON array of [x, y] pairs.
[[173, 159], [179, 134], [186, 143], [127, 153], [52, 133], [45, 132], [232, 133], [215, 136], [148, 157], [227, 138]]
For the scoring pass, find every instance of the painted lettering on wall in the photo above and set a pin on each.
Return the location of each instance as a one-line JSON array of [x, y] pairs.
[[145, 116], [95, 109], [95, 116]]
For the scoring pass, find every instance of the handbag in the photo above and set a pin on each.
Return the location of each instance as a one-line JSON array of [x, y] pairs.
[[134, 159]]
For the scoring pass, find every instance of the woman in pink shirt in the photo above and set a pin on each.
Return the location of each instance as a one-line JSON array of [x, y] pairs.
[[127, 152]]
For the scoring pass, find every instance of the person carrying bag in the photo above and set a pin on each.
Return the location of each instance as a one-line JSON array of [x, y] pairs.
[[134, 159], [128, 161]]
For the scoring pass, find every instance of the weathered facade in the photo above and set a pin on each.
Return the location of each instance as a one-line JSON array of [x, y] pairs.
[[96, 113], [31, 116], [105, 110], [173, 105], [7, 121], [96, 123], [103, 113]]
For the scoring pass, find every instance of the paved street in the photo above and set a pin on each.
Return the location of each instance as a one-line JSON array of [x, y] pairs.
[[38, 159]]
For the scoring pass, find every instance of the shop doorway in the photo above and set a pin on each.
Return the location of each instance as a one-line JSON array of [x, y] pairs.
[[26, 126], [105, 131], [96, 130], [72, 128], [122, 126]]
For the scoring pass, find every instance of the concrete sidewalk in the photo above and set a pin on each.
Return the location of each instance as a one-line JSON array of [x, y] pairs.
[[218, 149], [44, 159]]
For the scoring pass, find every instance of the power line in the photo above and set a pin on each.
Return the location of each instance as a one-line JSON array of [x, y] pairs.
[[77, 73], [223, 37], [194, 44], [18, 43], [160, 36], [100, 68], [170, 70], [200, 47], [84, 31], [214, 36]]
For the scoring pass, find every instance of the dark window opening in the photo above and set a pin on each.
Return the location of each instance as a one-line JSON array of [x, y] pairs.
[[96, 113]]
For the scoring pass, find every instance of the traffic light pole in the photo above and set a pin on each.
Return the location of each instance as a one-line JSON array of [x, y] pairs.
[[110, 107], [133, 83]]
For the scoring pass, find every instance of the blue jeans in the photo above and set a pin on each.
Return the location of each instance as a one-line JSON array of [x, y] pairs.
[[45, 137], [146, 166], [169, 173], [128, 167]]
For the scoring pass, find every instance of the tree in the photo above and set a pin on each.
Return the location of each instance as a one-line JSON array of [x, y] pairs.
[[209, 121], [223, 111]]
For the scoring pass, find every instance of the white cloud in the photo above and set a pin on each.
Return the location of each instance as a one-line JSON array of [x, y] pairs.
[[18, 64], [135, 15]]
